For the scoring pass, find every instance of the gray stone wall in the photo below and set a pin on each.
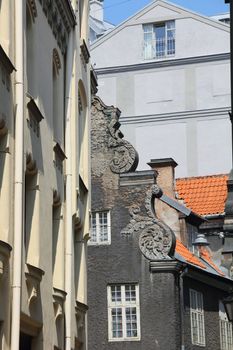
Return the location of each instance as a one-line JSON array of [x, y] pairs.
[[122, 261]]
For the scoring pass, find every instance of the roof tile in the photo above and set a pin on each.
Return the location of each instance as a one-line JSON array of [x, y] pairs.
[[205, 195]]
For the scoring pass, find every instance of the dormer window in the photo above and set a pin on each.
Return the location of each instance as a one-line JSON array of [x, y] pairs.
[[159, 40]]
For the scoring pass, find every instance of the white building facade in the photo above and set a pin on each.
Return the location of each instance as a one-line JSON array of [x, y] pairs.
[[167, 69], [44, 173]]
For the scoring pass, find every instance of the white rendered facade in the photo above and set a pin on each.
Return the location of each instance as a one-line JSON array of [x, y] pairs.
[[44, 173], [174, 104]]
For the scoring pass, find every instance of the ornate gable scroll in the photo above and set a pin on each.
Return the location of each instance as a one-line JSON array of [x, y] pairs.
[[124, 157], [156, 239]]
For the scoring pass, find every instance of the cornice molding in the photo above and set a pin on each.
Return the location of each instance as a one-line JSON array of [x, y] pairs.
[[169, 266], [180, 115], [163, 64], [61, 18]]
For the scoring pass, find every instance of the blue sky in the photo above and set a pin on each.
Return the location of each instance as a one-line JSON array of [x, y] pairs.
[[117, 11]]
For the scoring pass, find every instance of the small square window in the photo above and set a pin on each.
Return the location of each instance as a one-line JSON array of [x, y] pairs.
[[123, 312], [100, 228]]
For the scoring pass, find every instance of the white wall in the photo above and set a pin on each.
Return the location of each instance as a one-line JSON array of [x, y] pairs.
[[124, 46], [178, 111]]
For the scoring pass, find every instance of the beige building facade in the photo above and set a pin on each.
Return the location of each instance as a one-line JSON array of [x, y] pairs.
[[44, 173]]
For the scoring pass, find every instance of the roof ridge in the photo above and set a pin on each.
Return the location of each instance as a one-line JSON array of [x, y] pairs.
[[201, 177]]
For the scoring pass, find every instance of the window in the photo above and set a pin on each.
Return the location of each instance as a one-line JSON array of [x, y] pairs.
[[100, 228], [123, 312], [159, 40], [225, 326], [197, 318]]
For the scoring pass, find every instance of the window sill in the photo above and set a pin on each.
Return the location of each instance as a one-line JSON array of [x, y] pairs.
[[159, 58], [124, 339], [99, 244]]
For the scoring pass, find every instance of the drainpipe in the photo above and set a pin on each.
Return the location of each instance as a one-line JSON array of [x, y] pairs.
[[68, 173], [19, 173], [181, 290]]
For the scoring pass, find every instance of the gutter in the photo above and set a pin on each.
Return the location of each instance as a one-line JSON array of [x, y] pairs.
[[68, 175], [19, 173]]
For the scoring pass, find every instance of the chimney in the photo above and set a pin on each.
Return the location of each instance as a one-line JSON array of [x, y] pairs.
[[165, 167], [96, 9]]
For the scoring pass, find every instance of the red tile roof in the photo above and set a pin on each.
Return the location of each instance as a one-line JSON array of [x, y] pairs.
[[207, 257], [187, 255], [204, 195], [202, 262]]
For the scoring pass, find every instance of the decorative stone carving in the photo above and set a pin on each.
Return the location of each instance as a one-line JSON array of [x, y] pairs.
[[31, 168], [56, 60], [125, 157], [32, 8], [156, 239], [3, 128], [59, 157], [61, 18], [59, 297], [33, 278], [56, 198], [5, 250], [81, 310], [85, 51]]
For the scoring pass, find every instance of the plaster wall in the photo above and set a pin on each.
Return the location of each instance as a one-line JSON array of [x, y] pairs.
[[159, 105], [129, 38], [165, 101], [42, 309]]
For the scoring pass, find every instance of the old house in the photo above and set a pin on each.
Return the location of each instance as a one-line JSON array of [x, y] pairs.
[[146, 289], [44, 173]]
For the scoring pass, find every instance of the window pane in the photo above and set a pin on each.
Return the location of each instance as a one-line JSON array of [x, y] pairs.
[[130, 292], [93, 228], [147, 28], [116, 323], [131, 321], [160, 40], [103, 226], [116, 293], [170, 24]]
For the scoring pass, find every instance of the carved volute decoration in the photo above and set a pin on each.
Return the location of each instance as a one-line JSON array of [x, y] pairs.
[[124, 157], [156, 239]]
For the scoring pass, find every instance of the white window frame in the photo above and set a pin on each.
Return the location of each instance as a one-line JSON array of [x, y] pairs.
[[225, 329], [98, 240], [197, 319], [123, 304], [154, 40]]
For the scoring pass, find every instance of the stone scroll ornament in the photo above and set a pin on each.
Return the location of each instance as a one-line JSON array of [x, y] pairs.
[[156, 239], [125, 157]]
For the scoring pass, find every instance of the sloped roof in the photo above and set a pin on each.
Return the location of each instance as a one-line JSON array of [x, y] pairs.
[[151, 5], [205, 195], [187, 255], [204, 262]]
